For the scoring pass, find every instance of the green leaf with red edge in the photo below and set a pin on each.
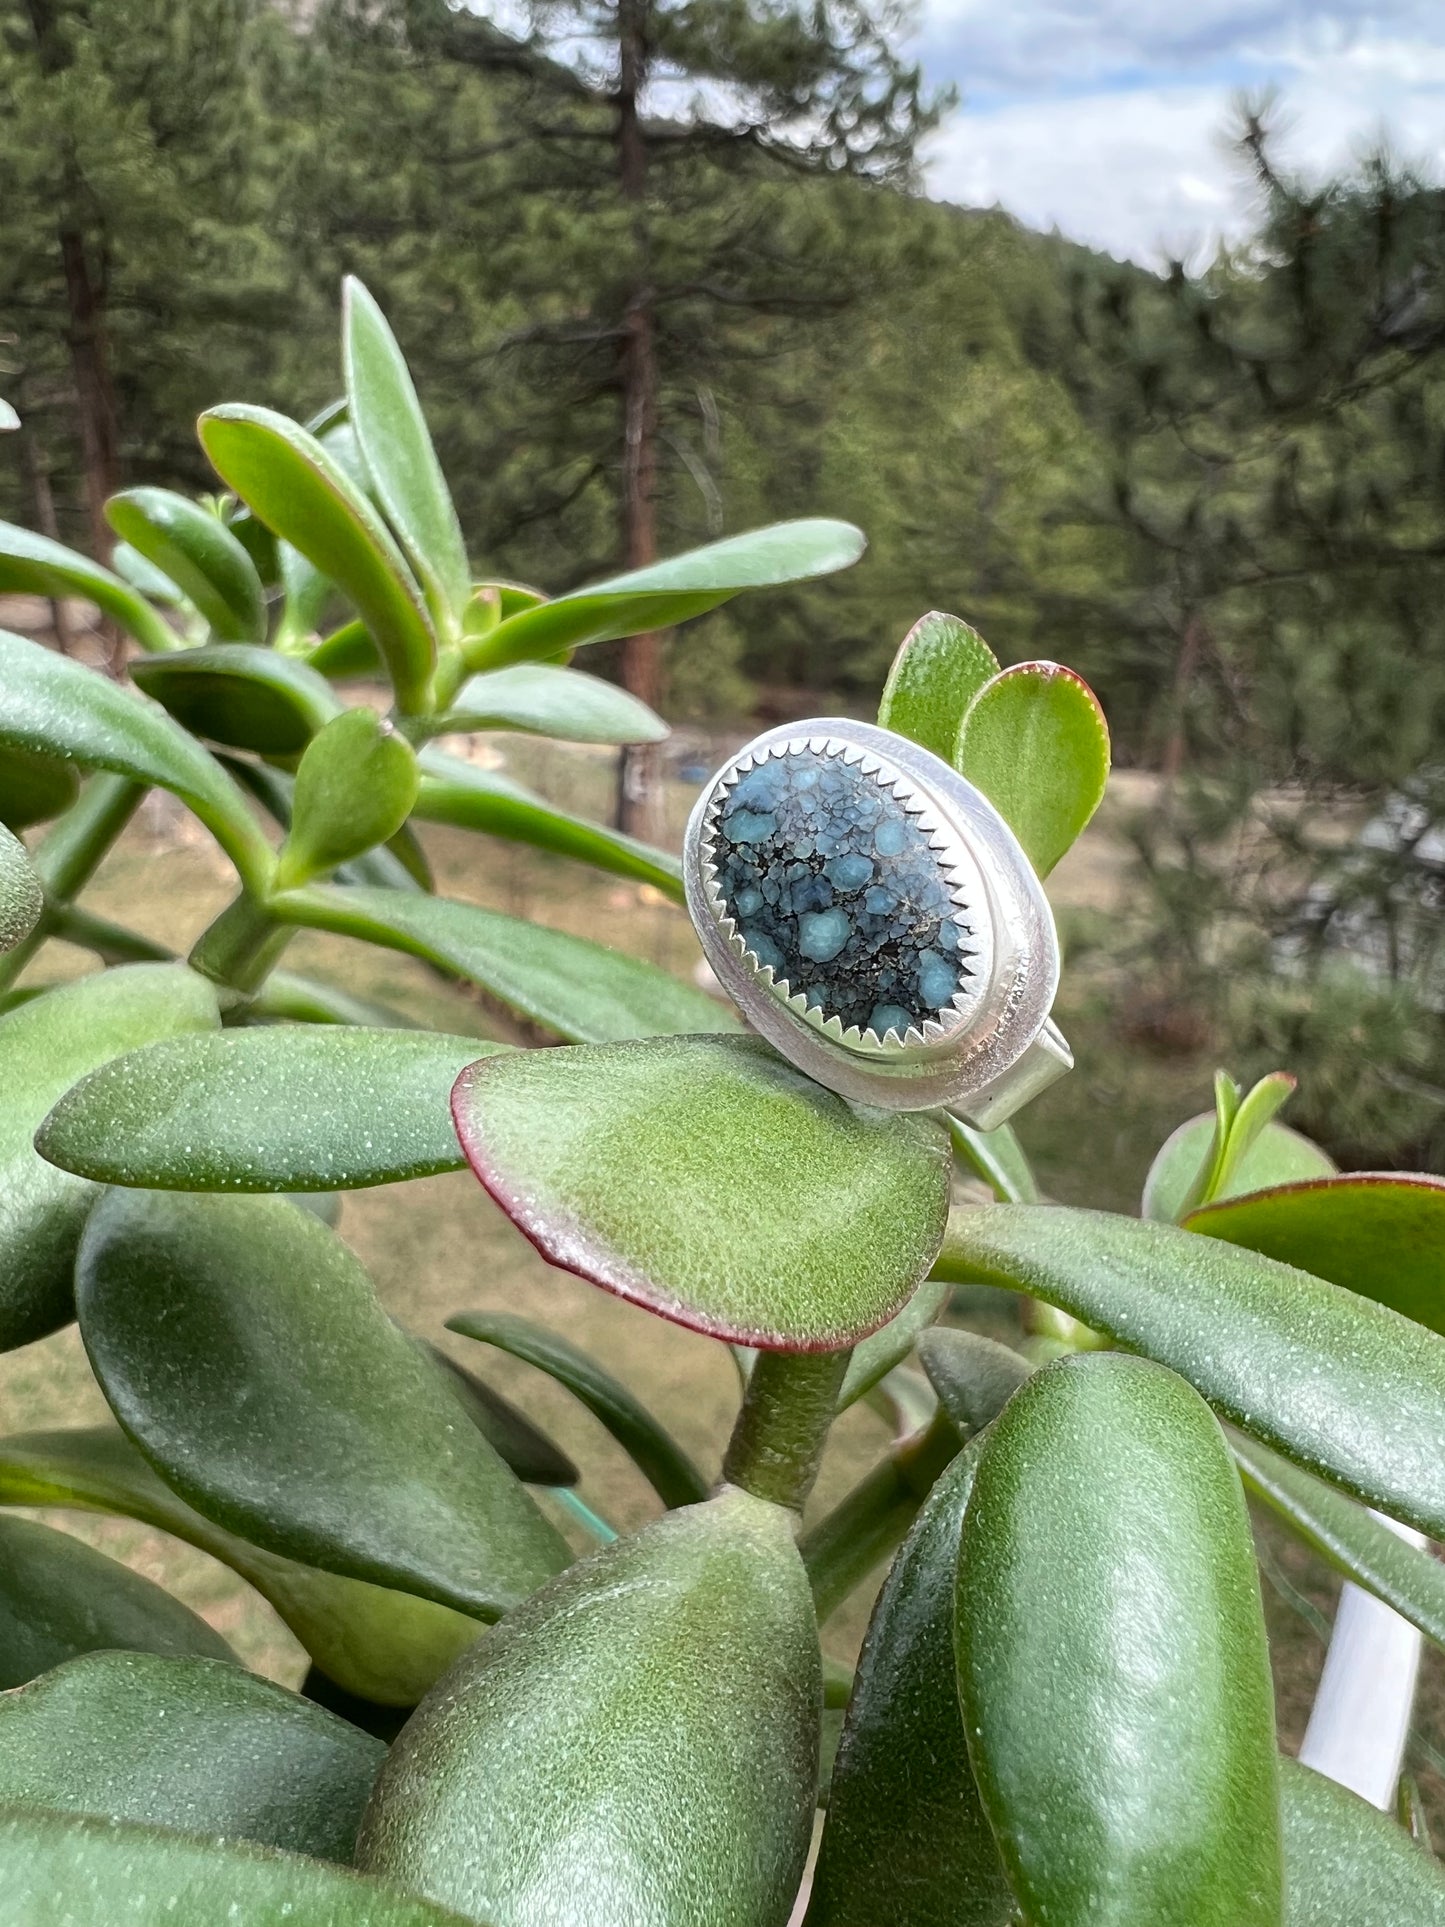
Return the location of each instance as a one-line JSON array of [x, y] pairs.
[[1034, 740], [645, 1731], [181, 1297], [1378, 1233], [380, 1644], [668, 592], [478, 799], [56, 1868], [199, 554], [196, 1744], [789, 1219], [303, 494], [940, 667], [401, 464], [245, 697], [1278, 1155], [579, 989], [1346, 1388]]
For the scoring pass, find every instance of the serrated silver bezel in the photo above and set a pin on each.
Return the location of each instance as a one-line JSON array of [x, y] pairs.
[[965, 887], [967, 1057]]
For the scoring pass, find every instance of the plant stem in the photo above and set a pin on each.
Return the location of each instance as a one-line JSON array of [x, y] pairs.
[[71, 853], [242, 945], [111, 942], [777, 1443], [867, 1526]]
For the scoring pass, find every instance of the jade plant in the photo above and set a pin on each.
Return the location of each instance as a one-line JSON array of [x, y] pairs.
[[1062, 1712]]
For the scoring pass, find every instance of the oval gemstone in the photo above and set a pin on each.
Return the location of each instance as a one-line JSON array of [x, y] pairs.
[[833, 884]]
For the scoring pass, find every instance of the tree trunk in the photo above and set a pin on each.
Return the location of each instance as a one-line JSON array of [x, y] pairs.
[[86, 331], [638, 770], [37, 475], [1185, 665], [94, 392]]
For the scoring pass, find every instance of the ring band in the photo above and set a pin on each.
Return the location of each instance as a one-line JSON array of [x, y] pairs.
[[874, 917]]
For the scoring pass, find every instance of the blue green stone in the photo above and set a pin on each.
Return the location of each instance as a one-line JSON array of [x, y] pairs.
[[834, 886]]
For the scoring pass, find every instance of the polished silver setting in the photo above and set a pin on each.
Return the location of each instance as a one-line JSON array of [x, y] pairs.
[[994, 1046]]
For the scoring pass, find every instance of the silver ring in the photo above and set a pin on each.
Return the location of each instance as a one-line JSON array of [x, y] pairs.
[[872, 914]]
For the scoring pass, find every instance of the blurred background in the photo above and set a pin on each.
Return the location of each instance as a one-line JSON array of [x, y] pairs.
[[1120, 331], [1169, 408]]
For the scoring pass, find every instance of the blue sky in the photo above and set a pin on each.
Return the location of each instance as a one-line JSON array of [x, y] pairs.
[[1106, 119]]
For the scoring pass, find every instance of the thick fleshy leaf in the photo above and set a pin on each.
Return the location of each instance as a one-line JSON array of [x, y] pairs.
[[877, 1355], [582, 991], [1112, 1661], [646, 1729], [237, 1339], [1034, 740], [1277, 1156], [534, 1458], [347, 654], [280, 1107], [940, 667], [662, 1461], [60, 708], [21, 897], [32, 564], [199, 554], [354, 789], [195, 1744], [46, 1044], [304, 495], [59, 1598], [547, 701], [245, 697], [998, 1158], [33, 788], [305, 594], [151, 582], [907, 1843], [288, 998], [275, 790], [1350, 1865], [1353, 1540], [477, 799], [1378, 1233], [974, 1376], [57, 1869], [669, 592], [789, 1219], [401, 464], [378, 1644], [1343, 1387]]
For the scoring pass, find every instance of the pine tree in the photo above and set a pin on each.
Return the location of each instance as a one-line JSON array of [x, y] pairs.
[[141, 145], [675, 138]]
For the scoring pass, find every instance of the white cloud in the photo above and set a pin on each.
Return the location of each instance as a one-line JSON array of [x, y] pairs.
[[1133, 159]]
